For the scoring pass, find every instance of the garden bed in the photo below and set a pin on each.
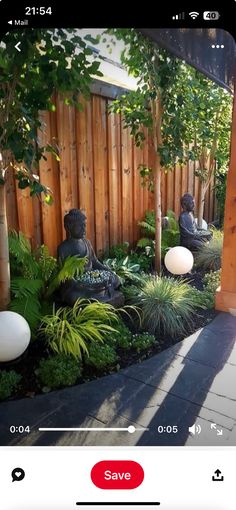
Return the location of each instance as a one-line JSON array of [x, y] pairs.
[[29, 362]]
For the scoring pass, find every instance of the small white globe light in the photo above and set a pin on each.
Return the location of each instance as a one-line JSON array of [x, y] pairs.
[[179, 260], [204, 224], [14, 335]]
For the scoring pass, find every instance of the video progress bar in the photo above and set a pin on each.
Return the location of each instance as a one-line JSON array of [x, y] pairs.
[[145, 503], [131, 429]]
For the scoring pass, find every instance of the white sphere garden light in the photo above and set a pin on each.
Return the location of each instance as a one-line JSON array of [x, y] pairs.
[[179, 260], [14, 336], [204, 224]]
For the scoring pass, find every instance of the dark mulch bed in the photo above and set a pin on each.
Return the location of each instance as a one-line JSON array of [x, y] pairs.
[[37, 350]]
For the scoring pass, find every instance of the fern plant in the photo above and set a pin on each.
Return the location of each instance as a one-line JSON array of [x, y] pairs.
[[22, 261], [26, 300], [170, 234], [71, 267], [70, 331]]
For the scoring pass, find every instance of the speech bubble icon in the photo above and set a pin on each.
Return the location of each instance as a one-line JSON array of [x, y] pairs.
[[18, 474]]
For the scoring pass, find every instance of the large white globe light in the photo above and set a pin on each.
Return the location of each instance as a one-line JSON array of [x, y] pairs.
[[179, 260], [204, 224], [14, 335]]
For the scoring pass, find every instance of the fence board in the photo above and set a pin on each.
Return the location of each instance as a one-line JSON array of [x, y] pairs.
[[68, 164], [127, 186], [100, 162], [114, 172], [50, 176], [85, 165]]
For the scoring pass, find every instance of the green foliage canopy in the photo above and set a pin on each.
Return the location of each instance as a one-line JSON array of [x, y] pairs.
[[50, 60]]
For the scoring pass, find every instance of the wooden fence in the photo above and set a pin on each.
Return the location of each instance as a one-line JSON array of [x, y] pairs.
[[98, 172]]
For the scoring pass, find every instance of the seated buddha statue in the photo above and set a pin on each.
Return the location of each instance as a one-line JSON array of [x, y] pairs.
[[76, 244], [190, 236]]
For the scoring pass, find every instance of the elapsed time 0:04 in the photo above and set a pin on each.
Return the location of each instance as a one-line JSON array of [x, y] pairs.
[[169, 429], [20, 429]]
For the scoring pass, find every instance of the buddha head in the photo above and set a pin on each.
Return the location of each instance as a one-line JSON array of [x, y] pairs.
[[75, 224], [187, 202]]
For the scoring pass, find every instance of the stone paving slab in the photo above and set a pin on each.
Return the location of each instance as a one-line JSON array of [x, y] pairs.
[[191, 382]]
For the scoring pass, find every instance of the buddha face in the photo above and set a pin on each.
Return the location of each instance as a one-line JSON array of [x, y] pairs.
[[78, 229], [187, 202], [75, 226]]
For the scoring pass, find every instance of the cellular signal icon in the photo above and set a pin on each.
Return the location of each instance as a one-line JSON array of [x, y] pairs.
[[181, 15]]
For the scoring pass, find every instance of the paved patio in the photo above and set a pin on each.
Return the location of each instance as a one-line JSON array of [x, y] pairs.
[[192, 382]]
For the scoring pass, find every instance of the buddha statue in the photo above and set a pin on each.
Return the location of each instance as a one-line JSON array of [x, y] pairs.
[[104, 287], [190, 236]]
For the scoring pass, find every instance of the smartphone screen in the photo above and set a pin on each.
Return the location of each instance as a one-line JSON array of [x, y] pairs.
[[117, 257]]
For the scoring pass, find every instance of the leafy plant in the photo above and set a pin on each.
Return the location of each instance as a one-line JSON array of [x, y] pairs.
[[8, 383], [58, 371], [148, 224], [70, 330], [143, 341], [119, 251], [209, 255], [71, 267], [122, 337], [220, 192], [170, 234], [22, 261], [211, 281], [102, 356], [124, 268], [26, 300], [167, 305], [203, 298]]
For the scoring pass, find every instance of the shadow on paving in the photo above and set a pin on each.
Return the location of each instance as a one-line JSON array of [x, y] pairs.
[[191, 381]]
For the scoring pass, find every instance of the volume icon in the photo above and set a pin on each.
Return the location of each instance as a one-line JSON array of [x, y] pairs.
[[195, 429]]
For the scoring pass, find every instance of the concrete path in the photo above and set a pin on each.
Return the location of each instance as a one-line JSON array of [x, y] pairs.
[[193, 382]]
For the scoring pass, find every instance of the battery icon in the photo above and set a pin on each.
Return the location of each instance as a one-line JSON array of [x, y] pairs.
[[211, 15]]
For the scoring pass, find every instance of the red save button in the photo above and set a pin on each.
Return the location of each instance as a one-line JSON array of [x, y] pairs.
[[117, 474]]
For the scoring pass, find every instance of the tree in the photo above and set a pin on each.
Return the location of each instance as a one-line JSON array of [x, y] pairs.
[[206, 117], [152, 105], [49, 61]]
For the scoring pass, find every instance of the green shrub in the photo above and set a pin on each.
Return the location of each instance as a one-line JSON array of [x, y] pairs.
[[220, 191], [70, 330], [101, 356], [208, 256], [170, 235], [211, 281], [148, 224], [122, 337], [143, 341], [8, 383], [119, 251], [203, 298], [124, 268], [58, 371], [167, 305]]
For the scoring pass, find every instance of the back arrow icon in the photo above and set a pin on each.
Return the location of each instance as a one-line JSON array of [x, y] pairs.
[[17, 46]]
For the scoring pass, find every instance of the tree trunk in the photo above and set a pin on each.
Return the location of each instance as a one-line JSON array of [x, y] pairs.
[[157, 195], [4, 253], [157, 121], [201, 203]]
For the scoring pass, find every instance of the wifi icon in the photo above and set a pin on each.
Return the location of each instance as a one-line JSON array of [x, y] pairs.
[[194, 14]]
